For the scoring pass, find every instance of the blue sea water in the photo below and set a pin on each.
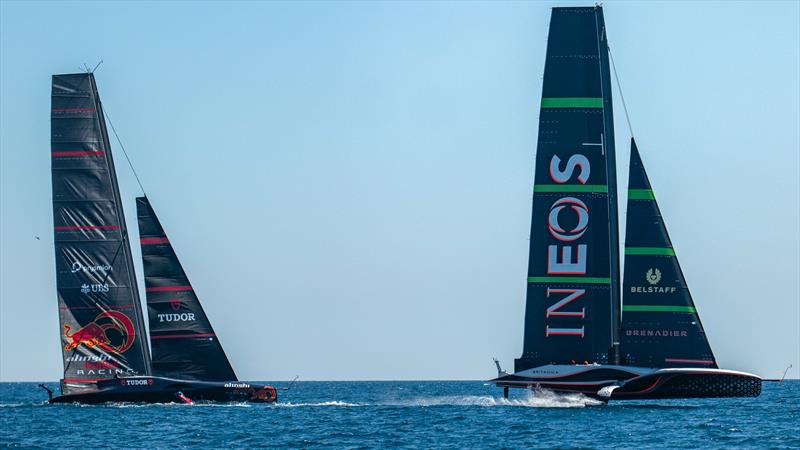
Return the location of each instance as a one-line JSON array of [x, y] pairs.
[[406, 414]]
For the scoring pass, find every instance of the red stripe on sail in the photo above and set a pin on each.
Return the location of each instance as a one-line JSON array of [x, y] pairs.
[[87, 227], [168, 288], [84, 380], [689, 361], [77, 153], [183, 336], [70, 110], [154, 240], [70, 308]]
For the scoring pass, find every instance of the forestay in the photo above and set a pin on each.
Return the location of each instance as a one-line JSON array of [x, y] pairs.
[[660, 324], [184, 343]]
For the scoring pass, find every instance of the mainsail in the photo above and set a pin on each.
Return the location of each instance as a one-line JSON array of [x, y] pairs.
[[100, 317], [572, 300], [183, 341], [660, 324]]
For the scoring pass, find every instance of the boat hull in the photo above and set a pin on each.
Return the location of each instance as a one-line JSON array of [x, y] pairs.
[[168, 390], [689, 383], [635, 383]]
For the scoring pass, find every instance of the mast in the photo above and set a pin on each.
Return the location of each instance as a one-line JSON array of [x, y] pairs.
[[126, 245], [184, 343], [611, 176], [100, 316], [573, 264]]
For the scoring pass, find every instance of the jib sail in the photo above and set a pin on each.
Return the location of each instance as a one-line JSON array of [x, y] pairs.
[[100, 317], [574, 257], [660, 324], [183, 342]]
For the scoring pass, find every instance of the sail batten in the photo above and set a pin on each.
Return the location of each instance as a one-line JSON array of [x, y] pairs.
[[661, 326], [184, 344], [100, 315]]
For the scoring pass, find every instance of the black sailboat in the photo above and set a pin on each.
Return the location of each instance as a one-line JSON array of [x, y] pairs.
[[104, 342], [577, 338]]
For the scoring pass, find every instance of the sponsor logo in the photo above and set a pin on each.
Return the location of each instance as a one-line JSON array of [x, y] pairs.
[[653, 276], [101, 365], [138, 382], [175, 304], [653, 289], [104, 372], [580, 209], [544, 372], [79, 267], [569, 256], [88, 358], [265, 394], [237, 385], [182, 317], [111, 331], [87, 288], [657, 333]]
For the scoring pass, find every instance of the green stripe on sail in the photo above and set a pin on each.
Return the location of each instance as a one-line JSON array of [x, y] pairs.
[[654, 251], [659, 308], [596, 188], [641, 194], [572, 102], [570, 280]]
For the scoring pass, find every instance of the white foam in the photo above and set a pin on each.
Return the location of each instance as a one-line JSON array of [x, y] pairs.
[[200, 404], [331, 403], [539, 399]]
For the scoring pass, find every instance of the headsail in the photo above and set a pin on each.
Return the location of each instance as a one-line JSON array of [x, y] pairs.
[[660, 324], [100, 317], [183, 341], [574, 257]]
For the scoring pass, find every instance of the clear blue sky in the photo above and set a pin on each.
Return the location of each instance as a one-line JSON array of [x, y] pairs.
[[348, 185]]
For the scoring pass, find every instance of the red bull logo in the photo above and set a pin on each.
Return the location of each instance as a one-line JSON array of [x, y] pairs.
[[99, 332]]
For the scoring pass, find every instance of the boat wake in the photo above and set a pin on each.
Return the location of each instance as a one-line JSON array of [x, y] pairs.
[[300, 405], [541, 399], [197, 404]]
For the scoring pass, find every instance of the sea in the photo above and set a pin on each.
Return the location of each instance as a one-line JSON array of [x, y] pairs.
[[405, 414]]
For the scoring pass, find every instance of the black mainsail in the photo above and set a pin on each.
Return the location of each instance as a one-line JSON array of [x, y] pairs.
[[184, 343], [572, 300], [100, 317], [660, 324]]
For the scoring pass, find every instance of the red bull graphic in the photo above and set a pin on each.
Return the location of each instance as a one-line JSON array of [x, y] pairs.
[[266, 394], [102, 333]]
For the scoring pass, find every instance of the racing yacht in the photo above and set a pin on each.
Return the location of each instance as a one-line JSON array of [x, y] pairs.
[[586, 329]]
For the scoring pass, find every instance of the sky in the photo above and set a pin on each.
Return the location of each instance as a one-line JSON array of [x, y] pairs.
[[348, 185]]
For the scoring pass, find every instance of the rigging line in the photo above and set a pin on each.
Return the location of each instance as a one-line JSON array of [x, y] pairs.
[[122, 146], [619, 87]]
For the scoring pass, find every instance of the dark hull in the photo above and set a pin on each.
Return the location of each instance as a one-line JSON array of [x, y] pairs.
[[167, 390], [622, 383], [689, 384]]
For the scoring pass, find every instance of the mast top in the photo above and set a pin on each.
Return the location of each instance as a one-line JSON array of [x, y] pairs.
[[86, 68]]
